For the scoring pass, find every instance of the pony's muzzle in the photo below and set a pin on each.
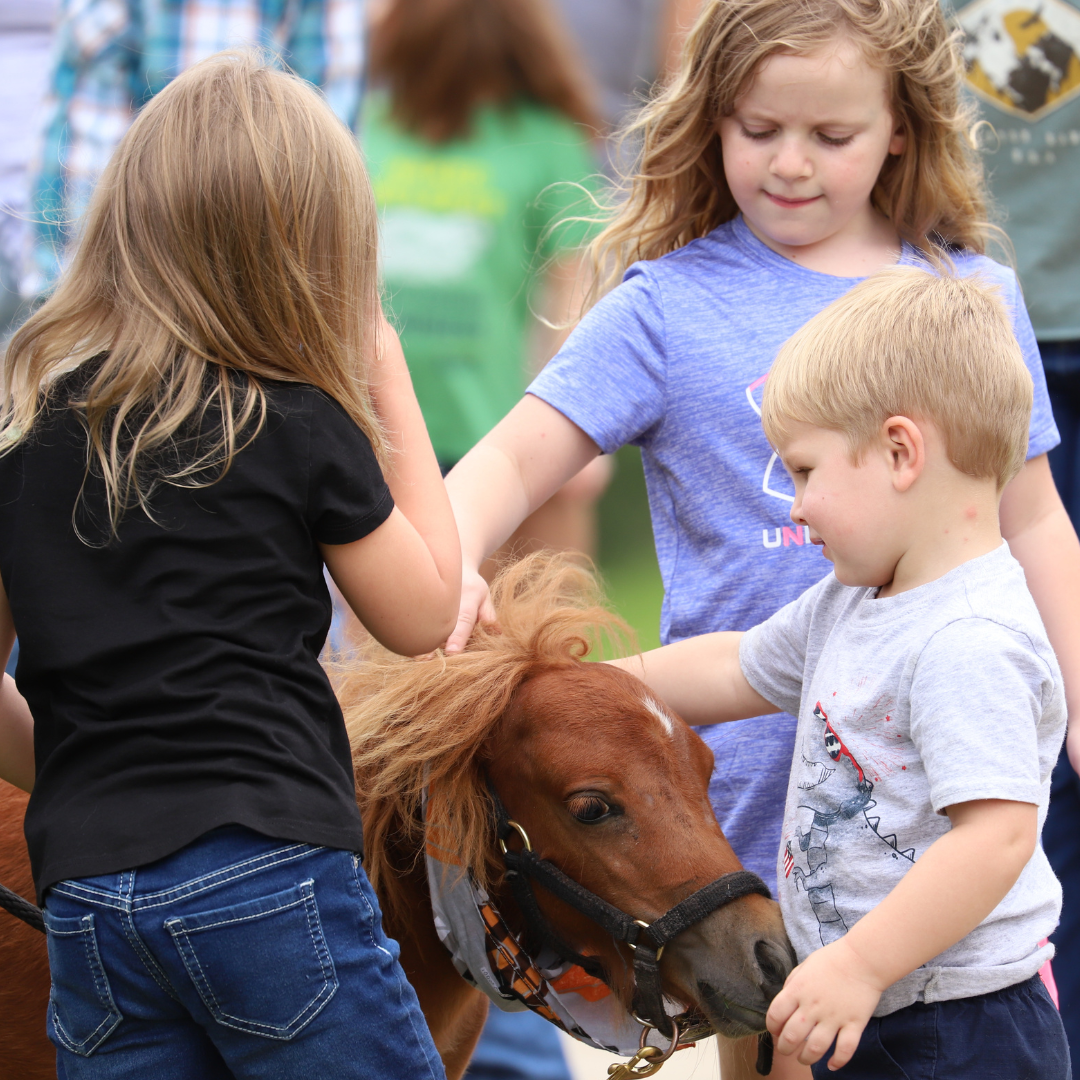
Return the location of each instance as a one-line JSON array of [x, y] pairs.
[[734, 963], [775, 961]]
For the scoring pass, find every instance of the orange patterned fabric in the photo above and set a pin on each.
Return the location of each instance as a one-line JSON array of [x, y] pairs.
[[487, 954]]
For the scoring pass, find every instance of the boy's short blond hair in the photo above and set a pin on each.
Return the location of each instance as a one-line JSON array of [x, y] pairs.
[[909, 342]]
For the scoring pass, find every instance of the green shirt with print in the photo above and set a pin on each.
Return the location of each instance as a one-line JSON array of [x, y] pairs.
[[1023, 66], [467, 227]]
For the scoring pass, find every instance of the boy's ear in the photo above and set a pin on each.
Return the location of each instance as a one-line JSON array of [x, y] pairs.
[[906, 449]]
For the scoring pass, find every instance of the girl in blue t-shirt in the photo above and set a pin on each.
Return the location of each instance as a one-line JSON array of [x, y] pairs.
[[191, 427], [800, 148]]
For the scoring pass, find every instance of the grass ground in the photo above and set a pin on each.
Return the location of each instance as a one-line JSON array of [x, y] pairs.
[[627, 557]]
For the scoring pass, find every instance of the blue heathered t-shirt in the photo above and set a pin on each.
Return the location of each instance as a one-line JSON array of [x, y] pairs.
[[673, 361]]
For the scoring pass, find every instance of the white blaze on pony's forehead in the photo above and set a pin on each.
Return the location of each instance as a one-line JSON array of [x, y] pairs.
[[660, 713]]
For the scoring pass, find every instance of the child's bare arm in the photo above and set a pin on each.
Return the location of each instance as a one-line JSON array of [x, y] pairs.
[[953, 886], [16, 724], [700, 678], [511, 472], [1043, 540], [403, 580]]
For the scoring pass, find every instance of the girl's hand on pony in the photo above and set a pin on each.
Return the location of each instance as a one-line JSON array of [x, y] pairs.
[[830, 995], [475, 607]]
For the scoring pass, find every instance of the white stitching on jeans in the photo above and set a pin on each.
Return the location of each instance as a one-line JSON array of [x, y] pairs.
[[307, 1014], [234, 866], [195, 960], [183, 892], [77, 891], [371, 914], [399, 972], [105, 999], [142, 951], [170, 923]]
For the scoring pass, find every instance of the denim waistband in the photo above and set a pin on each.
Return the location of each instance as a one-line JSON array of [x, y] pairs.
[[118, 891]]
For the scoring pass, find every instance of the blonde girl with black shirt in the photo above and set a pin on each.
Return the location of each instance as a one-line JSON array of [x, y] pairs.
[[196, 422]]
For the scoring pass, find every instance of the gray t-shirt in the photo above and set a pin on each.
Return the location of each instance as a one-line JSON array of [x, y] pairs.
[[907, 705]]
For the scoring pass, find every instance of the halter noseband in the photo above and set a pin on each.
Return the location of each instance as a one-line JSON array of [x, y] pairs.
[[647, 940]]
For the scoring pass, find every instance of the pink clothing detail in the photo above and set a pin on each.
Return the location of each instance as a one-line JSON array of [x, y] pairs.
[[1046, 973]]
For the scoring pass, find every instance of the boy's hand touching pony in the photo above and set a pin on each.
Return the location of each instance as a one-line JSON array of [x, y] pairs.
[[830, 995]]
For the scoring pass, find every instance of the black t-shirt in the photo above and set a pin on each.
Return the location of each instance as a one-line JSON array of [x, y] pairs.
[[173, 672]]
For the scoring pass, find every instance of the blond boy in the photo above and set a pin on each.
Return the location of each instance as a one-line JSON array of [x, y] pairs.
[[930, 704]]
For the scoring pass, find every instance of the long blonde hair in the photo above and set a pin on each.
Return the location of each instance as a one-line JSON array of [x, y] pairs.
[[230, 240], [932, 192]]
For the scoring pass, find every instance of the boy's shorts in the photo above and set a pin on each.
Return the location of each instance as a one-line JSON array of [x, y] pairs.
[[1012, 1034]]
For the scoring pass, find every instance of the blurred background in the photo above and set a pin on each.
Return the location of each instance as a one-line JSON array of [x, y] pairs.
[[626, 556]]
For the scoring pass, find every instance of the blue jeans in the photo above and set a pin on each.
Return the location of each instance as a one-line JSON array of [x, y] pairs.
[[1012, 1034], [238, 956]]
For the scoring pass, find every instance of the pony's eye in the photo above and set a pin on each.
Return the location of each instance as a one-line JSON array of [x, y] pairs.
[[588, 808]]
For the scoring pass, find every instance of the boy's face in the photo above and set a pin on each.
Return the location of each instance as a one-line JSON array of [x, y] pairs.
[[851, 509]]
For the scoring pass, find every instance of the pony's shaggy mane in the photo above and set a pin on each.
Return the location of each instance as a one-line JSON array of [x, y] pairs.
[[417, 723]]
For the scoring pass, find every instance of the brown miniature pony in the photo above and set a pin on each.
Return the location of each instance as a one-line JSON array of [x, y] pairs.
[[25, 1052], [552, 735], [556, 738]]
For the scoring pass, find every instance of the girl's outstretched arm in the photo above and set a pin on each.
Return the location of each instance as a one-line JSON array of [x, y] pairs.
[[16, 724], [700, 678], [1044, 542], [511, 472], [403, 580]]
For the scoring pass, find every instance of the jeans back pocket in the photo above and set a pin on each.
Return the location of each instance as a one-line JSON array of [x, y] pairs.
[[82, 1012], [261, 966]]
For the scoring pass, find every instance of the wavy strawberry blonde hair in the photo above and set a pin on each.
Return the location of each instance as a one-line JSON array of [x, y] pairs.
[[231, 240], [932, 192]]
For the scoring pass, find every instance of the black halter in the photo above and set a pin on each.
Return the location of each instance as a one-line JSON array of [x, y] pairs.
[[646, 939]]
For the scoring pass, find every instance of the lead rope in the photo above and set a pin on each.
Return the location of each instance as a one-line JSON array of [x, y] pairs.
[[21, 908]]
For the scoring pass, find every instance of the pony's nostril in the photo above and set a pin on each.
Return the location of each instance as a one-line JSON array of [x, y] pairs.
[[774, 964]]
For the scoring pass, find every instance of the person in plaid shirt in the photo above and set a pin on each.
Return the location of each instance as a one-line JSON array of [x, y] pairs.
[[111, 56]]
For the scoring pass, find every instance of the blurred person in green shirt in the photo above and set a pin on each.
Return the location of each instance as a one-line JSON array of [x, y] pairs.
[[480, 136]]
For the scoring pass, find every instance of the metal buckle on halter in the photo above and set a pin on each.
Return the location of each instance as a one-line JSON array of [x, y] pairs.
[[524, 838], [649, 1059], [630, 945]]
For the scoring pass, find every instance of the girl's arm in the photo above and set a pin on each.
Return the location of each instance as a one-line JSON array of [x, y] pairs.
[[511, 472], [952, 887], [700, 678], [403, 580], [16, 723], [1042, 538]]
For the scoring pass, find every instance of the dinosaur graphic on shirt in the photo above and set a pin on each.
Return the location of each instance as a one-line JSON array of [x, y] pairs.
[[835, 790]]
